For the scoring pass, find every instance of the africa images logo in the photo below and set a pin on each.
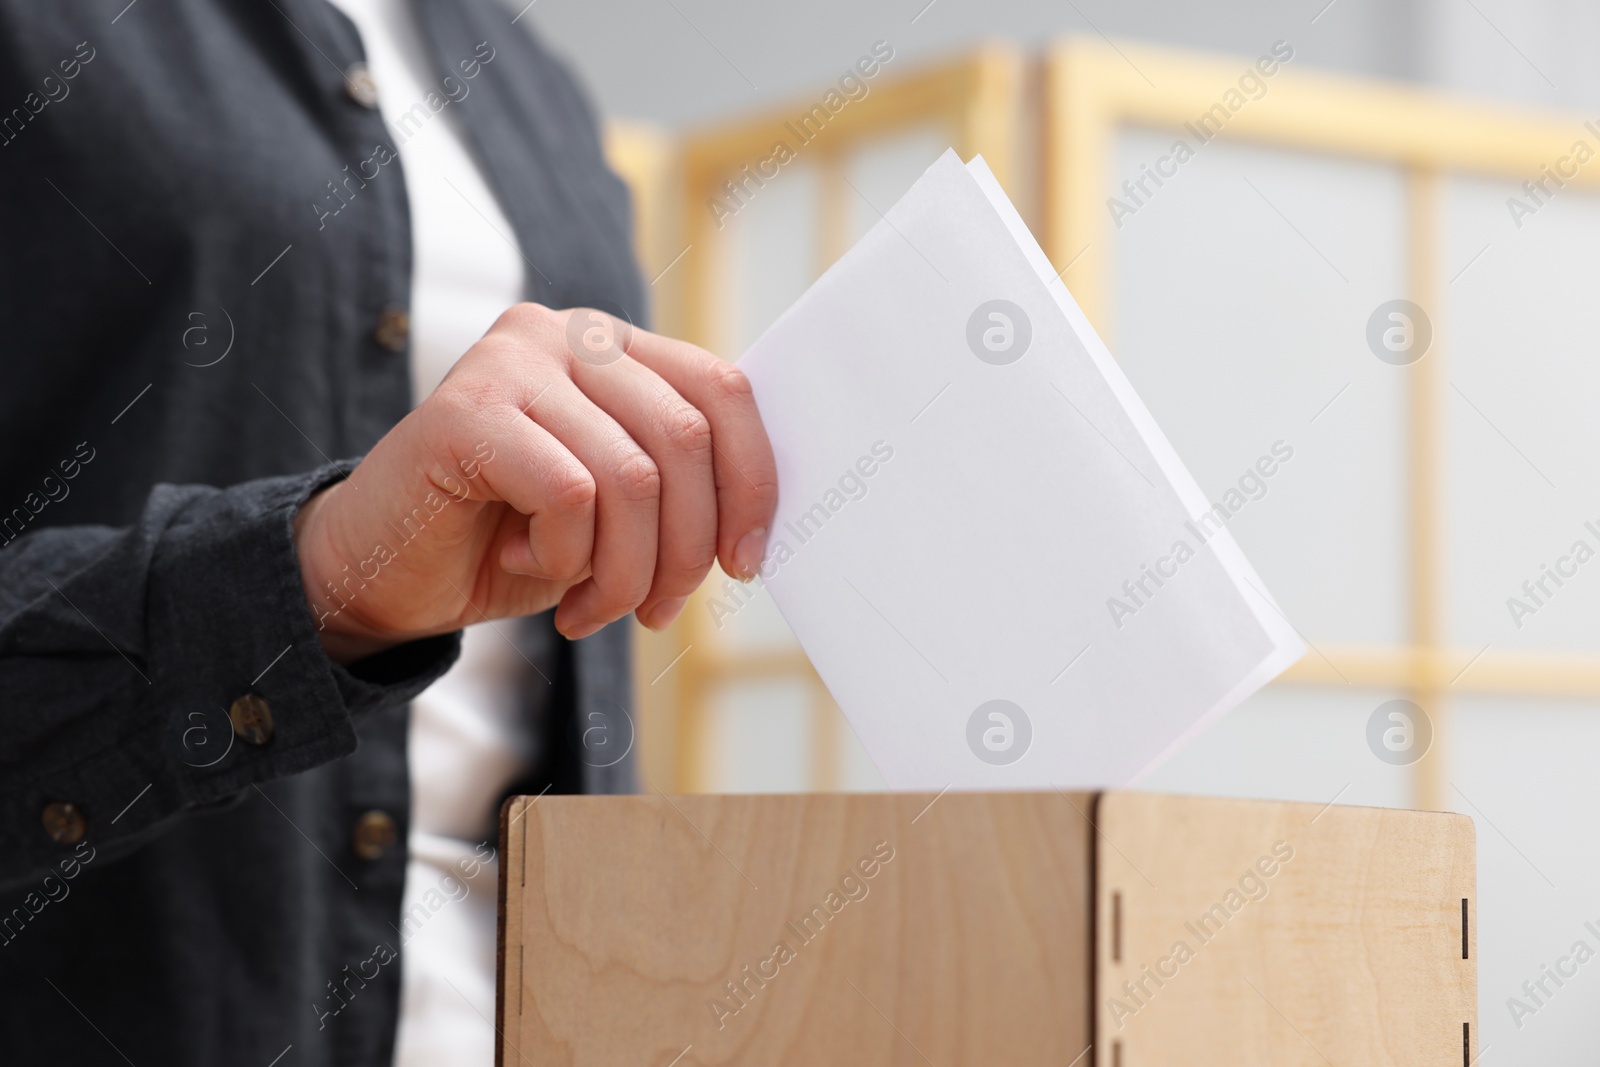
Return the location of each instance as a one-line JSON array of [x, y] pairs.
[[999, 332], [999, 732], [1399, 732], [1399, 332], [598, 338]]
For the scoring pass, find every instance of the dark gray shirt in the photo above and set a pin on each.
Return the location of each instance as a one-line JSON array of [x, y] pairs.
[[202, 819]]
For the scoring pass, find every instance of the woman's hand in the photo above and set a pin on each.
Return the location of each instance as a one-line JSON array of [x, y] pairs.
[[566, 459]]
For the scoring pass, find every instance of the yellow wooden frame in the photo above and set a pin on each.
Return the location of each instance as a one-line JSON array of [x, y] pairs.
[[1093, 89]]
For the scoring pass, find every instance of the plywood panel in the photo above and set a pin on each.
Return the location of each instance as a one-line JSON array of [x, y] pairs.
[[979, 929], [1245, 932], [747, 930]]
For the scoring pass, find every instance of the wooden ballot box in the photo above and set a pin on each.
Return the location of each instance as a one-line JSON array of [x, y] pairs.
[[1111, 929]]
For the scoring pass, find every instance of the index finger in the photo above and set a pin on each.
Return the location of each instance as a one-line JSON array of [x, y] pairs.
[[742, 464]]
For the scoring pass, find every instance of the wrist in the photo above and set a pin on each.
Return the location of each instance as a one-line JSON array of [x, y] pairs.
[[344, 634]]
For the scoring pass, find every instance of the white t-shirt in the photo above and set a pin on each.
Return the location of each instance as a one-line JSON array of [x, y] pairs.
[[468, 741]]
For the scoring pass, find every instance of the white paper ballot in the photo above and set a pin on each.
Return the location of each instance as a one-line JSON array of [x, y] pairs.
[[990, 552]]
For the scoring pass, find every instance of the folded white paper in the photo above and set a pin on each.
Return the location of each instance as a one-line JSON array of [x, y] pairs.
[[995, 559]]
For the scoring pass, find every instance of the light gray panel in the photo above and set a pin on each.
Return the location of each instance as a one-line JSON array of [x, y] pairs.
[[772, 251], [1290, 743], [883, 171], [1522, 409], [1536, 52], [1242, 291], [760, 737], [1525, 772]]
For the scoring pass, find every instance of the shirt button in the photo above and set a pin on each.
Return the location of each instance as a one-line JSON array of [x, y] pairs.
[[252, 719], [360, 86], [64, 823], [394, 329], [374, 835]]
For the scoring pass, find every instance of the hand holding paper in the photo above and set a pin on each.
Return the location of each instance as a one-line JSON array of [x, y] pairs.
[[994, 558]]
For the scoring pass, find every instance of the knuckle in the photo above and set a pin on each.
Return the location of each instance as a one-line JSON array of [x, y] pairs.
[[766, 490], [572, 490], [726, 383], [636, 476], [636, 592], [523, 336], [685, 428], [695, 561], [621, 594], [523, 317], [753, 481], [563, 566], [468, 396], [756, 491]]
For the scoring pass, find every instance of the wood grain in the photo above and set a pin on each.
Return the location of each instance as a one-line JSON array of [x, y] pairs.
[[624, 919], [983, 929], [1349, 952]]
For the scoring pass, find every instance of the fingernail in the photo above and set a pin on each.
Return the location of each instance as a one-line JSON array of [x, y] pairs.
[[663, 613], [578, 633], [748, 552]]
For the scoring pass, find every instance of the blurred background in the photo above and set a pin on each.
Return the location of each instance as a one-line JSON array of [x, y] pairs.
[[1434, 152]]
